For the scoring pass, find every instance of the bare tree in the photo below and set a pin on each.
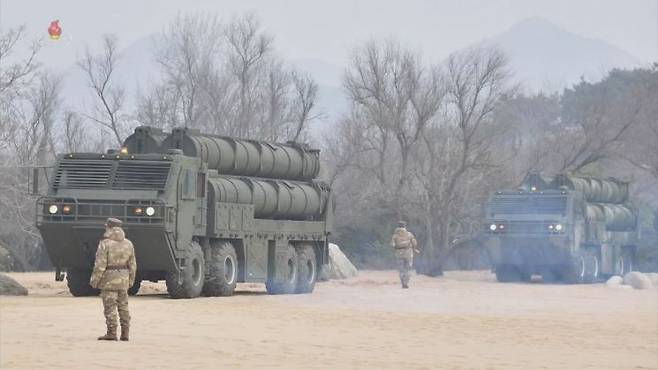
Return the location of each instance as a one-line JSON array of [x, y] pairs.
[[100, 71], [33, 144], [73, 136], [397, 96], [19, 73], [458, 147], [227, 81], [271, 102], [248, 49], [597, 118], [16, 79], [187, 54], [306, 92]]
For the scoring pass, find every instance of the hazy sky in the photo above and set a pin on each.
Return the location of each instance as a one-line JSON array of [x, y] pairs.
[[327, 30]]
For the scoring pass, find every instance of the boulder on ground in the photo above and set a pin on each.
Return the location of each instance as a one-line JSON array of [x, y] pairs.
[[614, 281], [339, 266], [653, 276], [637, 280], [9, 286]]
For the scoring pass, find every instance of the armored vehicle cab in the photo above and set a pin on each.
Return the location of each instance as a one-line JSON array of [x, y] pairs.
[[571, 228], [204, 212]]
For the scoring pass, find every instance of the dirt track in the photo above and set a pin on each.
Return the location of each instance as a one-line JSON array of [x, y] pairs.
[[462, 321]]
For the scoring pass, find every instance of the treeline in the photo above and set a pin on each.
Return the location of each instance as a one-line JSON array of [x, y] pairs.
[[429, 143], [425, 142]]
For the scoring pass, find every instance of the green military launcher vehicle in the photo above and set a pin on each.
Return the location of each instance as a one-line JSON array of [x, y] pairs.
[[204, 212], [568, 228]]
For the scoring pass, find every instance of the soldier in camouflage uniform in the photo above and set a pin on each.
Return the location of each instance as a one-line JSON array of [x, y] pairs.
[[405, 245], [114, 272]]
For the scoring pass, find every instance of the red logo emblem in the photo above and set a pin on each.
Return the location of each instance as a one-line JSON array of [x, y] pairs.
[[55, 31]]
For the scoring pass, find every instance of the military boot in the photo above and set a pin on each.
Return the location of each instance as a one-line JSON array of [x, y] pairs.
[[125, 331], [110, 335]]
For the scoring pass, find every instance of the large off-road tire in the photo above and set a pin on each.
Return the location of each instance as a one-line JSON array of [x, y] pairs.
[[307, 269], [284, 279], [133, 290], [507, 273], [188, 282], [584, 267], [222, 274], [78, 283], [549, 275], [625, 263]]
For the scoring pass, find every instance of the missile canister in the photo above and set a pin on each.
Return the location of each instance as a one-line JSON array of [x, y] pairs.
[[239, 157], [276, 199], [595, 190], [145, 139], [617, 217]]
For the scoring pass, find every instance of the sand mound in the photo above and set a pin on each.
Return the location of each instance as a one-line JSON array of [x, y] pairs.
[[9, 286], [637, 280], [339, 266]]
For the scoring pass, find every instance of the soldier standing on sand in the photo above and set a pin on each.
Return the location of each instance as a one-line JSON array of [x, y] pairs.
[[405, 245], [114, 272]]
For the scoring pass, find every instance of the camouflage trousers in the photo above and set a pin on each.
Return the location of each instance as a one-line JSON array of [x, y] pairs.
[[405, 259], [113, 301]]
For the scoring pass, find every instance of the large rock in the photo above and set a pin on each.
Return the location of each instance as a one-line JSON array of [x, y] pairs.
[[339, 266], [615, 281], [637, 280], [9, 286], [653, 276]]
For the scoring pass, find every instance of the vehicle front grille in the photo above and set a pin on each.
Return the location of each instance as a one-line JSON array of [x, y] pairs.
[[82, 174], [141, 175], [527, 204], [111, 174]]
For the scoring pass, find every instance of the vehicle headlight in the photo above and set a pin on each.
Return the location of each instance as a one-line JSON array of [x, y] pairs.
[[493, 227], [53, 209], [138, 211], [550, 227], [66, 209], [150, 211], [558, 227]]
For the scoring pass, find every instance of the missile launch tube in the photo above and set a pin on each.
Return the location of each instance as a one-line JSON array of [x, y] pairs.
[[272, 199], [617, 217], [238, 157], [595, 190]]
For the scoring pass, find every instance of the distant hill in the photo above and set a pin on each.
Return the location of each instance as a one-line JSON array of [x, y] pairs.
[[546, 57]]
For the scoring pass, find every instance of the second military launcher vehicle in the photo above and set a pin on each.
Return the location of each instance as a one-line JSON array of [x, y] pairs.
[[570, 228], [204, 212]]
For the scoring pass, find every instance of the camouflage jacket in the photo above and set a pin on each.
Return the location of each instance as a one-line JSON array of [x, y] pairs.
[[115, 265], [403, 239]]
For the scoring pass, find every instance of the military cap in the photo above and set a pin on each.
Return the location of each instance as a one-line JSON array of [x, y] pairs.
[[402, 223], [113, 222]]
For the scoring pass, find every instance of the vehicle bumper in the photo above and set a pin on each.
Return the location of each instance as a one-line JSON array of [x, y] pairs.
[[73, 245], [528, 251]]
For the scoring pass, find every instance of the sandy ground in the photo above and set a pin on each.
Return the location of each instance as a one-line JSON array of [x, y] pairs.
[[462, 321]]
